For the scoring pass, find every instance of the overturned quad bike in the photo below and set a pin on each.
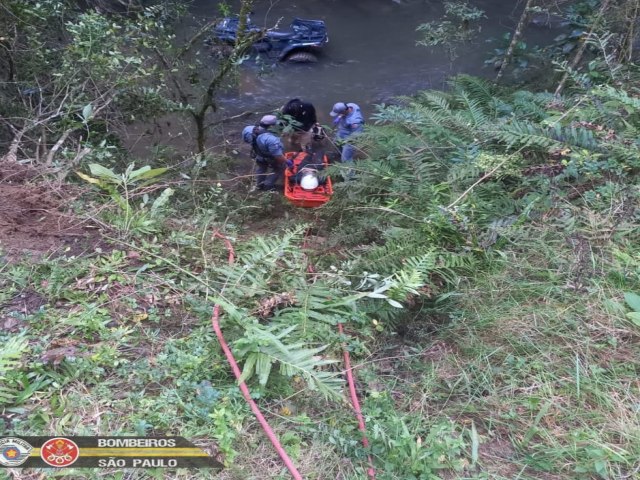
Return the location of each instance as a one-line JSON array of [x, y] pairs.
[[296, 190], [300, 43]]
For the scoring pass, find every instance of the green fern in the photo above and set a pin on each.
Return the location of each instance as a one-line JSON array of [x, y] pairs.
[[524, 134], [263, 348], [482, 92], [264, 269], [610, 93], [261, 262], [434, 100], [448, 171], [606, 43], [533, 106], [474, 110]]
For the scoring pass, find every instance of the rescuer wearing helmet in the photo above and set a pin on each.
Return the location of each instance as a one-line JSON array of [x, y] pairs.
[[267, 150], [348, 120]]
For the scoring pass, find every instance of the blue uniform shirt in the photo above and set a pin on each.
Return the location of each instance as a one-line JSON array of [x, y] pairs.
[[350, 122], [269, 145]]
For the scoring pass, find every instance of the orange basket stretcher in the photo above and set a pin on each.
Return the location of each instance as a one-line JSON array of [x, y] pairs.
[[297, 195]]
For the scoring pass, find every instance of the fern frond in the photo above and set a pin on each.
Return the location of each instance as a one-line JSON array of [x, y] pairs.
[[531, 106], [260, 261], [611, 93], [604, 43], [264, 348], [625, 154], [477, 89], [270, 249], [449, 261], [464, 173], [473, 110], [424, 169], [436, 101], [524, 134], [453, 121]]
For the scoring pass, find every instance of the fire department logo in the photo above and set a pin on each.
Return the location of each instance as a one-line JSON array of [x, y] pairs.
[[59, 452], [13, 451]]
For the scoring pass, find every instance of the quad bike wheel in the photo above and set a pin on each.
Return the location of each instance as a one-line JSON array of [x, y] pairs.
[[301, 57]]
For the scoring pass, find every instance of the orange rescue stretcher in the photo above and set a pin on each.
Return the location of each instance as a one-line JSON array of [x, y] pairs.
[[297, 195]]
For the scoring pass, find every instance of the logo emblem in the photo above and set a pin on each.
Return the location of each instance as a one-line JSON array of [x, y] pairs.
[[59, 452], [13, 451]]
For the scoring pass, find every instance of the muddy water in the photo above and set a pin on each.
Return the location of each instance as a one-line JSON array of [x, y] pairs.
[[371, 56]]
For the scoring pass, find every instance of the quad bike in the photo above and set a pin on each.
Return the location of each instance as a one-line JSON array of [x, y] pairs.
[[300, 43]]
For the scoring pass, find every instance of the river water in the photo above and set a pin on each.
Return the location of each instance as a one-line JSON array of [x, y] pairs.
[[371, 55], [371, 58]]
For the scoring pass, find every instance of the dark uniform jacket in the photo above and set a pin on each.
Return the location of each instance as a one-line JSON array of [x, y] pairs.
[[302, 112]]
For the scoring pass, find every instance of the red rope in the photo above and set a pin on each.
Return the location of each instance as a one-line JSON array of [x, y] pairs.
[[356, 405], [243, 387], [352, 386], [215, 320]]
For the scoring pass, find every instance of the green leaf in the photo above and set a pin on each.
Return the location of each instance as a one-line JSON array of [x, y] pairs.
[[293, 359], [633, 300], [376, 295], [393, 303], [475, 444], [147, 174], [162, 200], [87, 112], [133, 174], [11, 351], [247, 370], [104, 173], [634, 317], [263, 367], [89, 179]]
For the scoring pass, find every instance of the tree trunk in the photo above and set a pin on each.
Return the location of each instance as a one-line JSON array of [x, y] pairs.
[[583, 47], [12, 154], [243, 42], [629, 36], [201, 136], [516, 37]]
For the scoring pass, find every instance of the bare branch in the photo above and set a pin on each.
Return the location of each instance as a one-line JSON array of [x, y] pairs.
[[583, 47], [193, 39], [57, 146], [514, 40]]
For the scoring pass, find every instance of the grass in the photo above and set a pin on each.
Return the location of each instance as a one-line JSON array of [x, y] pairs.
[[538, 358], [120, 343], [529, 371]]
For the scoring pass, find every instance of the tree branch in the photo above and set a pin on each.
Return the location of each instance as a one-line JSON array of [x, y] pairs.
[[193, 39], [12, 155], [57, 146], [516, 37], [583, 47]]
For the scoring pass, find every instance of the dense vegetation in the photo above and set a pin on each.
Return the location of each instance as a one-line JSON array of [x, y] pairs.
[[484, 262]]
